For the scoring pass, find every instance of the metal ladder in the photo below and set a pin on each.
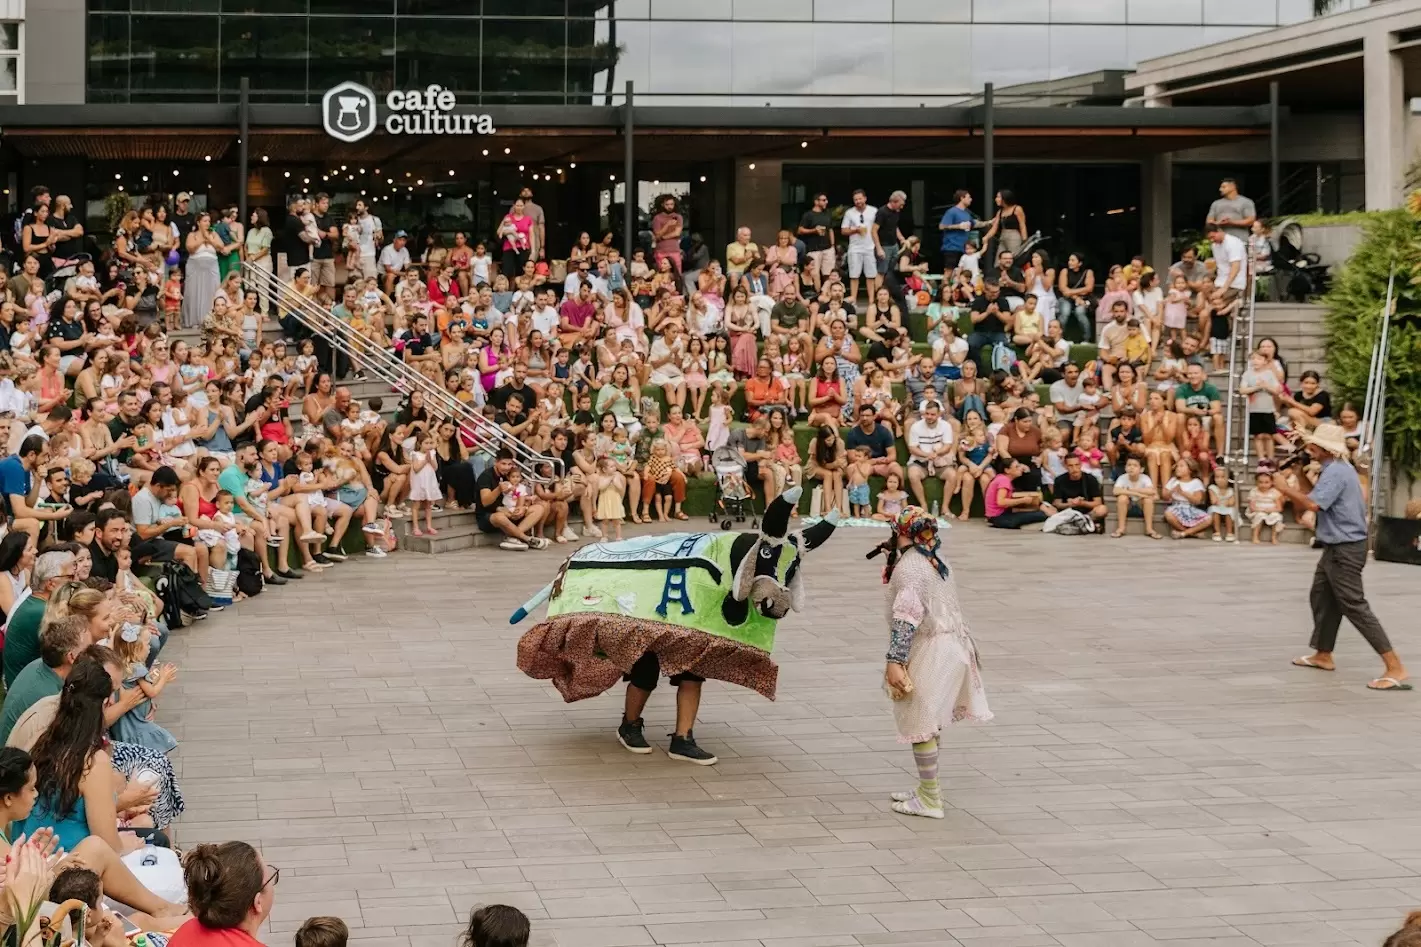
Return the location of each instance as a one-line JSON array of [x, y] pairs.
[[1237, 443], [387, 367]]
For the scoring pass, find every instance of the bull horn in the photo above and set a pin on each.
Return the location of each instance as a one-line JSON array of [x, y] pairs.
[[776, 520], [816, 535]]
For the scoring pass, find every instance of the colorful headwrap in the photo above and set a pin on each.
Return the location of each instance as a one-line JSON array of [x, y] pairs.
[[921, 527]]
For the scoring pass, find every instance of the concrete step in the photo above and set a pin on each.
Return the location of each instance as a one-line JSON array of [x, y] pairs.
[[1291, 533]]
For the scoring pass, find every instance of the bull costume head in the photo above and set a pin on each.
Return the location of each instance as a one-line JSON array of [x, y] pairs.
[[766, 565]]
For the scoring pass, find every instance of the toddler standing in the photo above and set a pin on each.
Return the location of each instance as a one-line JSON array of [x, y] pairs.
[[424, 485], [1223, 506]]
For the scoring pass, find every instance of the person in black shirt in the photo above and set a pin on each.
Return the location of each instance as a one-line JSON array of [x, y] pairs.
[[816, 231], [63, 224], [298, 251], [323, 264], [186, 222], [1078, 490], [1009, 275], [1125, 440], [110, 538], [990, 318], [516, 384], [887, 230], [489, 489], [1311, 406]]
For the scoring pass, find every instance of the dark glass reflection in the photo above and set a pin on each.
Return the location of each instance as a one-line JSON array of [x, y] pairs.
[[357, 49], [176, 53], [442, 51], [271, 51], [108, 57]]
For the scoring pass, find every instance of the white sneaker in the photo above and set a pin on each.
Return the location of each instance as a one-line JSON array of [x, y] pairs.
[[373, 528], [375, 552], [593, 531], [538, 542], [513, 544], [569, 534], [312, 537]]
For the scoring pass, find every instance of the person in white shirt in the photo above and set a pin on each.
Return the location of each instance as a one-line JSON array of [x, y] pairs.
[[577, 274], [1066, 397], [394, 260], [545, 316], [1134, 496], [932, 448], [862, 257], [371, 234]]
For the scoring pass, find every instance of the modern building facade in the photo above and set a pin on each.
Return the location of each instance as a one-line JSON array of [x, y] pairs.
[[742, 107]]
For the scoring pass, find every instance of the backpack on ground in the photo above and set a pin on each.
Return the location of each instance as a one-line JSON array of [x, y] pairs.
[[1068, 523], [249, 573], [180, 592]]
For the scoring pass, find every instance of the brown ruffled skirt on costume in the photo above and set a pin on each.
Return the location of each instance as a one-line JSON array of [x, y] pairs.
[[586, 653]]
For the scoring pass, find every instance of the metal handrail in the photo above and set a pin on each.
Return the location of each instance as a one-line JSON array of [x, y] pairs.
[[1240, 342], [387, 367]]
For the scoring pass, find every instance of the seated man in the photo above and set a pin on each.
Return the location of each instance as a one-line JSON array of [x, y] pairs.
[[1078, 490], [878, 439], [490, 488], [161, 529], [749, 443], [932, 452]]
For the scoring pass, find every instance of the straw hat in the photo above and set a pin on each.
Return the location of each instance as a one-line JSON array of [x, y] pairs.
[[1330, 437]]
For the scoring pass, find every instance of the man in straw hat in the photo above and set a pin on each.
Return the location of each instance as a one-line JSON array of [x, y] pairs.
[[1341, 511]]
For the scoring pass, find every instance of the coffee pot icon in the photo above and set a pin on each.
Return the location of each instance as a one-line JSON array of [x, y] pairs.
[[348, 111], [349, 118]]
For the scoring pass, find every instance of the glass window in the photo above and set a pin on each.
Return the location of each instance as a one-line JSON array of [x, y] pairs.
[[109, 6], [771, 59], [1021, 12], [795, 11], [343, 7], [443, 51], [948, 47], [628, 54], [1148, 42], [523, 7], [9, 74], [1167, 12], [351, 48], [852, 58], [1240, 12], [1080, 49], [9, 37], [108, 57], [270, 50], [855, 11], [524, 59], [1087, 11], [174, 6], [690, 58], [690, 9], [264, 6], [932, 11], [1007, 55], [177, 53]]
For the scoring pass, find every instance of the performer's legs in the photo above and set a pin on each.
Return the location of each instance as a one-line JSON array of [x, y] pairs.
[[927, 800], [683, 741], [641, 681]]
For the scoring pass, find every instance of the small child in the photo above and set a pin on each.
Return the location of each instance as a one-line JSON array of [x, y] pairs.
[[583, 419], [1223, 506], [1265, 506], [795, 369], [424, 485], [493, 925], [553, 404], [1053, 454], [971, 259], [515, 501], [322, 932], [1220, 329], [718, 434], [1138, 350], [621, 451], [860, 469], [1176, 308], [133, 639], [1090, 401], [658, 468], [230, 536], [1259, 383], [306, 364], [173, 298], [611, 485], [891, 499], [696, 366], [479, 264], [1087, 450]]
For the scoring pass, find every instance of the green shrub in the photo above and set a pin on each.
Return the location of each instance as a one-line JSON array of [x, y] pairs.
[[1355, 304]]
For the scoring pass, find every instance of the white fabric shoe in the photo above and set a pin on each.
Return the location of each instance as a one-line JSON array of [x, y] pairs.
[[513, 544]]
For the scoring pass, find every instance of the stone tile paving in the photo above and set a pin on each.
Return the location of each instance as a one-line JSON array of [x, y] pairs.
[[1157, 773]]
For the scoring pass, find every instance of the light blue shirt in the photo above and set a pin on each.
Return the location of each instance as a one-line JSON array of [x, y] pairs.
[[1342, 513]]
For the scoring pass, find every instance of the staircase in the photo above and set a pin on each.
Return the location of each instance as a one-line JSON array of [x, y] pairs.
[[390, 378], [1299, 331]]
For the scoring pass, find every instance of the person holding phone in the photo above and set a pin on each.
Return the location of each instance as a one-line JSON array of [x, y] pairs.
[[20, 477]]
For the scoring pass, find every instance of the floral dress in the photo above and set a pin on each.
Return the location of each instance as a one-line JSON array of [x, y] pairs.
[[942, 663], [849, 373]]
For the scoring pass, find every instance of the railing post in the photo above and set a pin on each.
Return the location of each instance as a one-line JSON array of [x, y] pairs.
[[244, 115], [629, 172], [989, 151]]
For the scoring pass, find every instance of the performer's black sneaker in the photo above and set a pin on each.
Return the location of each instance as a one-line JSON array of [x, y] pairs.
[[685, 749], [629, 735]]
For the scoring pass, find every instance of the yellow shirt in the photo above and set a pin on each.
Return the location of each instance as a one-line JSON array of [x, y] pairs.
[[738, 256], [1137, 348]]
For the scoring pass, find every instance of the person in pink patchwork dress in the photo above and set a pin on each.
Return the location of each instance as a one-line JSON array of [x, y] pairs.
[[932, 674]]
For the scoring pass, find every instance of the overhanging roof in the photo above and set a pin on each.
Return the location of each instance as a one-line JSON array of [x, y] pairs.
[[292, 133]]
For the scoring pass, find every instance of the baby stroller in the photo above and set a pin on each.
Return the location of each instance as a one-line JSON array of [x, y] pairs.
[[734, 500], [1296, 275]]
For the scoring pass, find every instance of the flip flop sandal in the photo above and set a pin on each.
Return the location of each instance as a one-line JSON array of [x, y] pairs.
[[1306, 661], [1392, 684]]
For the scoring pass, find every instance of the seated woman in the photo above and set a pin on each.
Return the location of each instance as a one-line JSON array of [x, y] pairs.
[[882, 312], [231, 890], [686, 443], [975, 454], [826, 464], [18, 791], [1010, 501]]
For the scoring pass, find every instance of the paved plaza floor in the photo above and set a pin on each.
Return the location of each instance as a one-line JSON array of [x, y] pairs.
[[1157, 772]]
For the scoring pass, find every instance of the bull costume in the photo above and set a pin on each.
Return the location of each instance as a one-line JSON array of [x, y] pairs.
[[932, 673], [689, 605]]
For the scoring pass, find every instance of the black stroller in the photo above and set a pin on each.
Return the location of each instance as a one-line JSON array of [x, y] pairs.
[[1297, 275]]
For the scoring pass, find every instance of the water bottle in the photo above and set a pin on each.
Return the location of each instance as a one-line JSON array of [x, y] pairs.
[[934, 510]]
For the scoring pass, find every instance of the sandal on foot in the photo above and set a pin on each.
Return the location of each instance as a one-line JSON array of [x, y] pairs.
[[1308, 661], [1388, 684], [1117, 534], [681, 515], [1154, 535], [915, 806]]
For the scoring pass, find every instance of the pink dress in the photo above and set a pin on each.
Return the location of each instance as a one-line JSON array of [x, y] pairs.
[[1176, 310], [719, 432], [743, 351], [775, 257], [489, 379]]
